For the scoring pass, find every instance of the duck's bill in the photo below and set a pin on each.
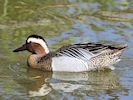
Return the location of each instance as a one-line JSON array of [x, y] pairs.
[[22, 48]]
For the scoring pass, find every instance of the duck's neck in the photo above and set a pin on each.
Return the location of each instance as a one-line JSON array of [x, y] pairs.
[[40, 51]]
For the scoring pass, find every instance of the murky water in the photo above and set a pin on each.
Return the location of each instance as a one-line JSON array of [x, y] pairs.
[[64, 22]]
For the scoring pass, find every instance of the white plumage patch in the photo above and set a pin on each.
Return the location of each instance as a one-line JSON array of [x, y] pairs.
[[68, 64], [39, 41]]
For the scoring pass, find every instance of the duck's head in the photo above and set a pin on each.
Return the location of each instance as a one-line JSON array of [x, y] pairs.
[[34, 44]]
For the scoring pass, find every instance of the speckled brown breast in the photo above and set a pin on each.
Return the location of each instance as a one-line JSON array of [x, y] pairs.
[[35, 61], [45, 65]]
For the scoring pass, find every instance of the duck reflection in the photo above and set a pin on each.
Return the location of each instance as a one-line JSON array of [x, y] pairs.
[[39, 85], [84, 83]]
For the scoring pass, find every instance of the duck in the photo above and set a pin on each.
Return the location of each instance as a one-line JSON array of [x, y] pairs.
[[70, 58]]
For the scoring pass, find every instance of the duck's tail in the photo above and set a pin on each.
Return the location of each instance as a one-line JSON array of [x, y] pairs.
[[118, 50], [122, 46]]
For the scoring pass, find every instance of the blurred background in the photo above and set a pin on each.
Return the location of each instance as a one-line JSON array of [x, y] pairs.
[[63, 22]]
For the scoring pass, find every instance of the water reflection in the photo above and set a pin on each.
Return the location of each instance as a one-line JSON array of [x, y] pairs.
[[74, 84]]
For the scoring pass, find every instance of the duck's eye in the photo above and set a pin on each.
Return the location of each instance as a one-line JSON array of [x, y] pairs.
[[29, 42]]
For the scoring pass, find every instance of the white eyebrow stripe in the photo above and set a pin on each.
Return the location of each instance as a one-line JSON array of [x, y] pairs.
[[39, 41]]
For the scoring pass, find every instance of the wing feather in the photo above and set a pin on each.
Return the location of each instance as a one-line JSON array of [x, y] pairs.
[[87, 50]]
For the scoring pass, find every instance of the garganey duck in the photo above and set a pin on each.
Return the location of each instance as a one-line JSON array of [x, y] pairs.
[[70, 58]]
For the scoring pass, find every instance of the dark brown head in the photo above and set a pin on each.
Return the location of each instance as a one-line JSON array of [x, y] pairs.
[[34, 44]]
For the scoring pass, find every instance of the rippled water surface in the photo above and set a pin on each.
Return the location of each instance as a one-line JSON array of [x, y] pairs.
[[64, 22]]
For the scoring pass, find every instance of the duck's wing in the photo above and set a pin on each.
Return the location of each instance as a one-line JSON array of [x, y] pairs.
[[87, 50]]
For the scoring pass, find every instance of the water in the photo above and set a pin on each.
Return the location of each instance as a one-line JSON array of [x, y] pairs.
[[65, 22]]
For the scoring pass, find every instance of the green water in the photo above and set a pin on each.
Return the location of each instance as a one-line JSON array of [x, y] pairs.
[[64, 22]]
